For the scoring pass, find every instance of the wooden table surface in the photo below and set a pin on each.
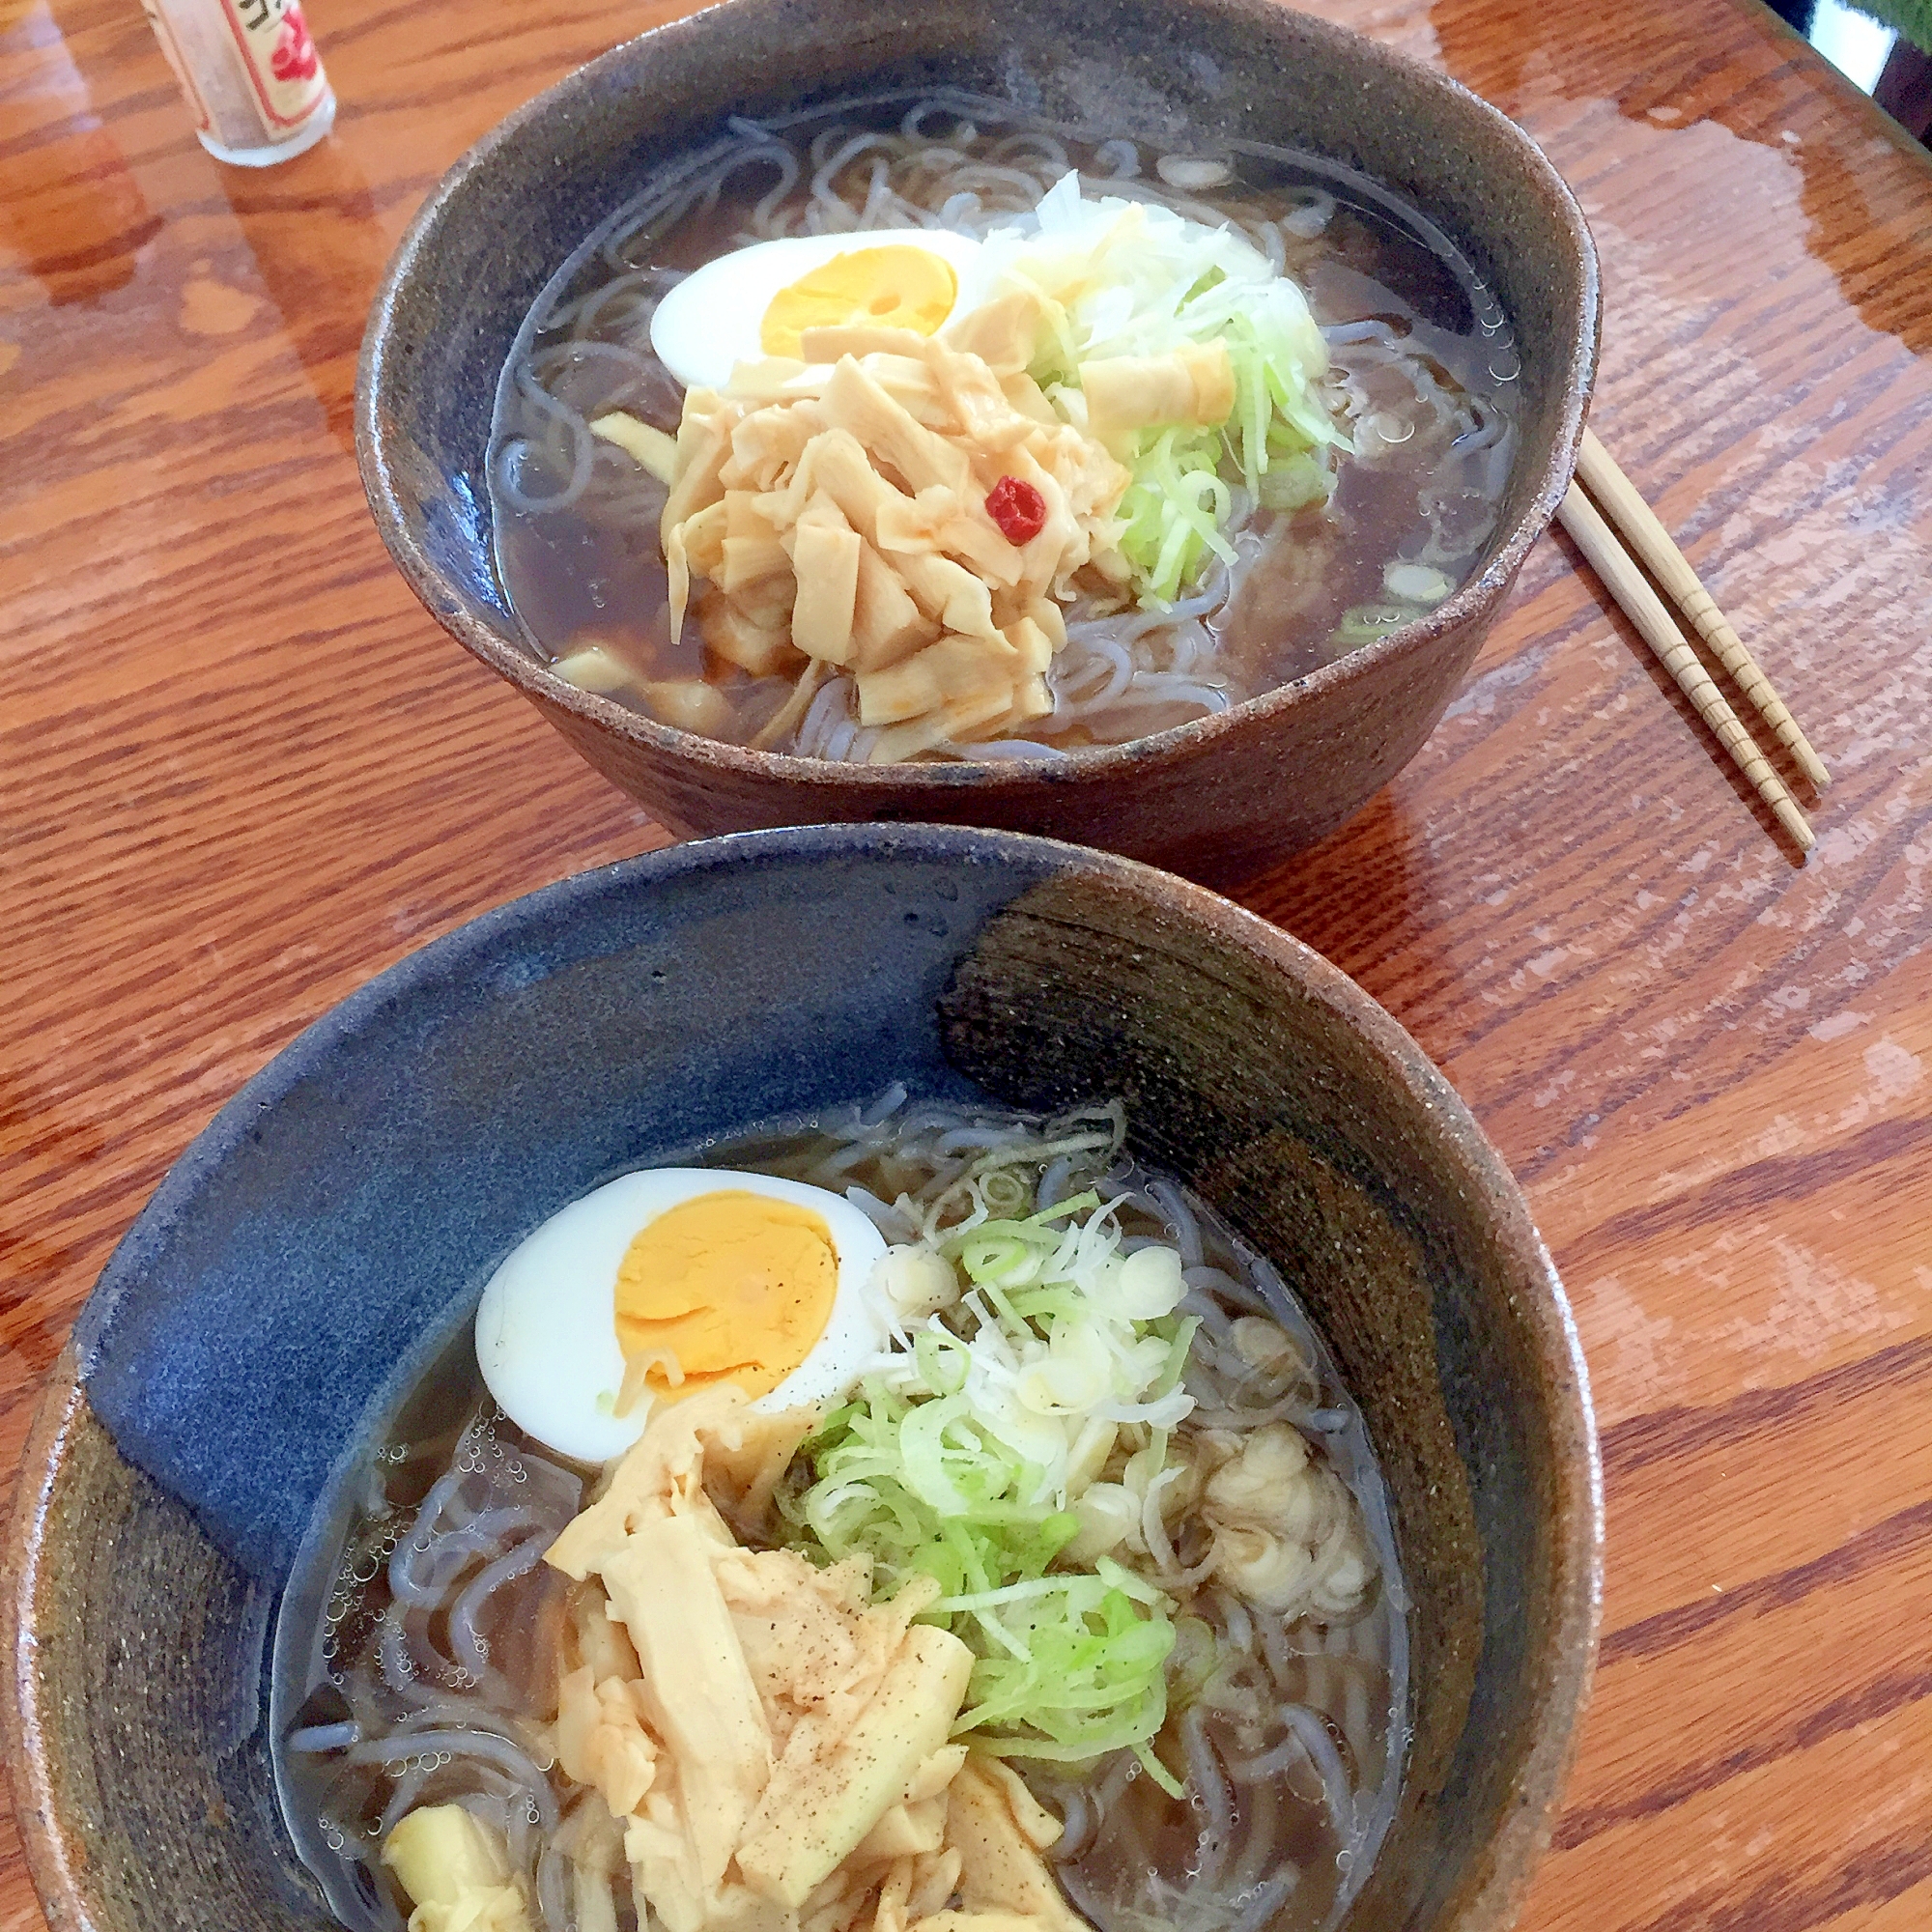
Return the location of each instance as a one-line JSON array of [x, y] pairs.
[[240, 771]]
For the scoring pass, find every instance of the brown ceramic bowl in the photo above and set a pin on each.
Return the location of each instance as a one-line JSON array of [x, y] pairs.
[[1216, 798], [343, 1211]]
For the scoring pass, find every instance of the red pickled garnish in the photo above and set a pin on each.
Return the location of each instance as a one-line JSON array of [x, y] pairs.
[[1018, 508]]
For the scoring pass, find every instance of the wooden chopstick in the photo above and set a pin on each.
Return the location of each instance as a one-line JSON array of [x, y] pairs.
[[1645, 609], [1618, 498]]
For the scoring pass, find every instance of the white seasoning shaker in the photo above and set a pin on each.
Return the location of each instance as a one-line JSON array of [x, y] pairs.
[[251, 75]]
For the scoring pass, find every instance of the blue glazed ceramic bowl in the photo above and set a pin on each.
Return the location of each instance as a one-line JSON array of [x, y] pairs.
[[342, 1212]]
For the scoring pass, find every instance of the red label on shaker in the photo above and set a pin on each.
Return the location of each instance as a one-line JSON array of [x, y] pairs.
[[250, 72], [282, 61]]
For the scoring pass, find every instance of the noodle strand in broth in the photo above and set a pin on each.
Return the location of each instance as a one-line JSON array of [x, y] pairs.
[[1420, 384], [415, 1659]]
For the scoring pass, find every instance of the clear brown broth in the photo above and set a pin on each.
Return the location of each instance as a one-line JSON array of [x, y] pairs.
[[328, 1665], [1312, 593]]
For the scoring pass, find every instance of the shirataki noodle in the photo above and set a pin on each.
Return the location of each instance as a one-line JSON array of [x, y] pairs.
[[426, 1675], [1421, 384]]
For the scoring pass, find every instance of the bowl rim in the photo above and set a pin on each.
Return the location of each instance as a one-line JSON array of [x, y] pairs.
[[1560, 1668], [1472, 600]]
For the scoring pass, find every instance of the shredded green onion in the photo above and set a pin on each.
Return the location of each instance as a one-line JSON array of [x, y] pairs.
[[957, 1461], [1364, 623], [1133, 278]]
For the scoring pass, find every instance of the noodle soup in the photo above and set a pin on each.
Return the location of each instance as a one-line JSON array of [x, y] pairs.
[[1216, 1742], [1349, 487]]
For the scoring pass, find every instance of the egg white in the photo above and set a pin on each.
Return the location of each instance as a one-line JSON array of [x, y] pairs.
[[710, 321], [546, 1328]]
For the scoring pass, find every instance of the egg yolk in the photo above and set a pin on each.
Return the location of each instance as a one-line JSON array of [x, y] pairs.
[[733, 1286], [894, 287]]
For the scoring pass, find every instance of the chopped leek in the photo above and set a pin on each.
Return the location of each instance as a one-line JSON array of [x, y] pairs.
[[1173, 510], [963, 1451], [1363, 623], [1119, 277]]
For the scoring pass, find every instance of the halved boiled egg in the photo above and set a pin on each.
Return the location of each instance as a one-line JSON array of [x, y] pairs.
[[669, 1280], [757, 301]]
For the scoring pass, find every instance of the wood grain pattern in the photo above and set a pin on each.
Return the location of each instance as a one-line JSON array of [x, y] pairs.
[[241, 771], [1656, 549], [1619, 572]]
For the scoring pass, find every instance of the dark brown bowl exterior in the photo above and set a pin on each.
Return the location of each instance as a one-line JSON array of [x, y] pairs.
[[240, 1341], [1218, 798]]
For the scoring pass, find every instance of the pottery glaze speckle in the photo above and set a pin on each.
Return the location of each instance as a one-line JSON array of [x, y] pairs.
[[344, 1211], [1217, 798]]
